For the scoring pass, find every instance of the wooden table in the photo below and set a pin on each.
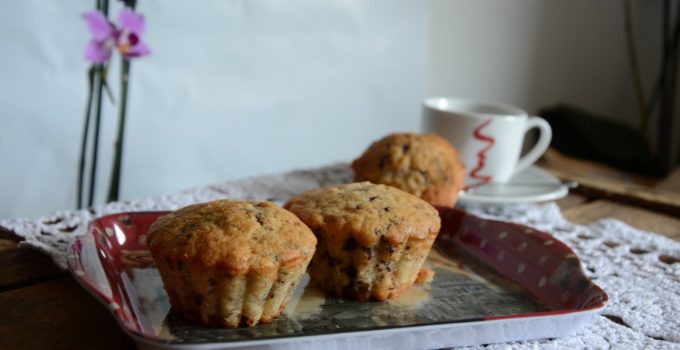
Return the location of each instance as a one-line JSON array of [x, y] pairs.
[[43, 307]]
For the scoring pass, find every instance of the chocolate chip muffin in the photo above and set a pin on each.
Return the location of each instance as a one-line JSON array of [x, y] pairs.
[[228, 263], [424, 165], [372, 239]]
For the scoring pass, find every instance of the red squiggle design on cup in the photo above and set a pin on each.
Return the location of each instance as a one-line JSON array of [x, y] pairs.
[[481, 156]]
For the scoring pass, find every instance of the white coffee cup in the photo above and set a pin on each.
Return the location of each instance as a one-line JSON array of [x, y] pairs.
[[488, 135]]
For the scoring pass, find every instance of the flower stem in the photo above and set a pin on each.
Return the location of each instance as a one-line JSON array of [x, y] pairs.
[[99, 81], [103, 6], [86, 129], [114, 188]]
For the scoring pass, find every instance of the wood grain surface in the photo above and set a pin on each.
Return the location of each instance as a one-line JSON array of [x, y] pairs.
[[643, 219], [57, 314]]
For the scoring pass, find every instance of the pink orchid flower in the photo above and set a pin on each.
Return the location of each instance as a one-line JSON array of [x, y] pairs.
[[127, 38], [98, 50]]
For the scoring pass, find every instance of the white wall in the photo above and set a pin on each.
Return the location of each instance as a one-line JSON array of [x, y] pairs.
[[233, 89], [537, 53], [245, 87], [534, 53]]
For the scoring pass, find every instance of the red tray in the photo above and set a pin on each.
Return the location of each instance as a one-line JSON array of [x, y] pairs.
[[495, 282]]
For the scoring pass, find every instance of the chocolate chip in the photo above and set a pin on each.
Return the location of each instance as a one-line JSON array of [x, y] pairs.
[[260, 218], [348, 291], [350, 244], [351, 271], [372, 198], [385, 244], [405, 148], [425, 175], [383, 161], [331, 261]]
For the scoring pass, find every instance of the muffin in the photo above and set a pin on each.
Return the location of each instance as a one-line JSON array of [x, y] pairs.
[[424, 165], [227, 263], [372, 239]]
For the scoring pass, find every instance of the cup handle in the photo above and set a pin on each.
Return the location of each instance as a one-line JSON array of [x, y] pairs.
[[541, 145]]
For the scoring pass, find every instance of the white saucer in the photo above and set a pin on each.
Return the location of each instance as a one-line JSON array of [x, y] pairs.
[[531, 185]]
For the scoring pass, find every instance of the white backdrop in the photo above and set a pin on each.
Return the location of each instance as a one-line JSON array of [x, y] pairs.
[[246, 87], [233, 88]]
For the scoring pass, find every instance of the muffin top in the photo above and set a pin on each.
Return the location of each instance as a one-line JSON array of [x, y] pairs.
[[366, 212], [425, 165], [237, 236]]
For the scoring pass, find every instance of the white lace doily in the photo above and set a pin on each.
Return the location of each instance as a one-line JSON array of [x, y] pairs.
[[639, 270]]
